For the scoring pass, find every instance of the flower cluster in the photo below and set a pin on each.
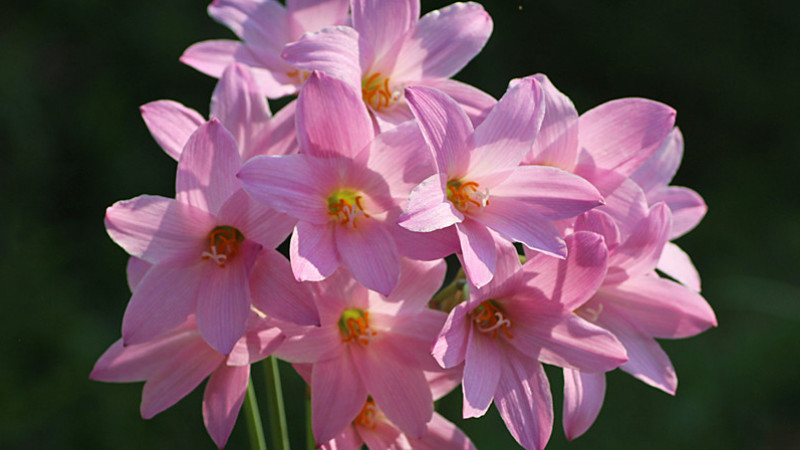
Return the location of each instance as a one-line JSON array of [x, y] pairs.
[[382, 167]]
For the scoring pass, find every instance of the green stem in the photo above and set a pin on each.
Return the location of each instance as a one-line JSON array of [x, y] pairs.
[[310, 441], [277, 414], [254, 426]]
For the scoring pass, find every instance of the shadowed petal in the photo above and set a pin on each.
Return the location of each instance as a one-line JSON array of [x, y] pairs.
[[556, 144], [312, 252], [240, 105], [337, 396], [428, 207], [676, 263], [450, 347], [311, 345], [658, 171], [135, 271], [370, 253], [261, 24], [597, 221], [257, 222], [171, 124], [686, 205], [639, 254], [442, 434], [333, 51], [276, 292], [223, 399], [382, 22], [278, 137], [481, 373], [312, 15], [583, 398], [475, 103], [479, 255], [383, 435]]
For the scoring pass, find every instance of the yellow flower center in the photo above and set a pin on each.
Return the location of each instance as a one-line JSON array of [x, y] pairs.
[[223, 244], [298, 76], [377, 93], [345, 206], [354, 326], [463, 194], [489, 318]]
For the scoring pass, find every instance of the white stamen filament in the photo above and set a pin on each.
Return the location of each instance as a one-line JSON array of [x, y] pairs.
[[593, 314], [218, 258], [500, 322]]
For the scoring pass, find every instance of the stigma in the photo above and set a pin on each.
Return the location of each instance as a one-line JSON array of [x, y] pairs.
[[464, 195], [223, 244], [377, 93], [354, 326], [345, 206], [489, 318]]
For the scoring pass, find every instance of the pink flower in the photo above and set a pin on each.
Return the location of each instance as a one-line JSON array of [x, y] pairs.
[[175, 363], [340, 188], [239, 105], [479, 188], [524, 316], [264, 26], [390, 48], [370, 345], [202, 245]]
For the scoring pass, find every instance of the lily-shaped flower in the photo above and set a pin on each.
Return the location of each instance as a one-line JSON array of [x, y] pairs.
[[340, 188], [370, 345], [202, 245], [389, 48], [175, 363], [525, 316], [265, 27], [479, 188], [636, 305]]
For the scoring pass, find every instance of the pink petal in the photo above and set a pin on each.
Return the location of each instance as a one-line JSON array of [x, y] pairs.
[[163, 300], [257, 344], [428, 207], [183, 372], [445, 126], [381, 23], [262, 25], [239, 105], [223, 399], [370, 253], [331, 118], [658, 171], [571, 281], [686, 205], [383, 435], [401, 156], [337, 397], [275, 291], [156, 228], [475, 103], [419, 281], [518, 222], [171, 124], [443, 42], [278, 137], [482, 367], [660, 308], [627, 205], [508, 133], [450, 347], [639, 254], [257, 222], [400, 390], [135, 271], [596, 221], [312, 345], [313, 252], [479, 255], [223, 302], [212, 57], [583, 398], [411, 334], [426, 246], [348, 439], [312, 15], [442, 434], [524, 401], [556, 144], [676, 264], [333, 51], [207, 168]]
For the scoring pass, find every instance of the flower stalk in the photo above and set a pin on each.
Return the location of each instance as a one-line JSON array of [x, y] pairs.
[[254, 427], [275, 408]]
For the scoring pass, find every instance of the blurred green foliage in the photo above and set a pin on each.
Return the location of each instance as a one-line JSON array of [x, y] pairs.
[[73, 73]]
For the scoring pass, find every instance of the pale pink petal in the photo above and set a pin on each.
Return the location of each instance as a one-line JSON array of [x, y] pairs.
[[472, 100], [596, 221], [519, 222], [370, 253], [312, 15], [400, 390], [571, 281], [156, 228], [479, 255], [445, 126], [348, 439], [554, 193], [223, 399], [686, 205], [627, 205], [223, 299], [676, 264], [333, 51], [239, 105], [171, 124], [207, 168], [412, 333], [419, 281], [163, 300], [640, 253], [312, 251], [443, 42], [256, 344], [278, 137], [257, 222], [264, 19], [524, 401], [659, 307], [508, 133], [482, 367], [442, 434], [312, 345], [337, 396], [426, 246], [294, 184], [331, 118], [428, 207], [658, 171], [212, 57], [583, 398], [450, 347], [383, 435], [382, 23], [443, 382], [556, 144], [183, 372], [135, 271], [402, 157], [275, 291]]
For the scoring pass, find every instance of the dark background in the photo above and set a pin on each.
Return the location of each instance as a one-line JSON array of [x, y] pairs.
[[73, 73]]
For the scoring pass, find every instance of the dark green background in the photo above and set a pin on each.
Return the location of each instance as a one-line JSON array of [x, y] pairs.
[[73, 73]]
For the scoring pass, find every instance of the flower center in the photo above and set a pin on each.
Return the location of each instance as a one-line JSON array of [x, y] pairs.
[[354, 326], [345, 206], [490, 318], [376, 92], [298, 77], [223, 244], [465, 194], [368, 415]]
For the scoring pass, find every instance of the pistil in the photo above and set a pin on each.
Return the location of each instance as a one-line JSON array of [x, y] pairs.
[[465, 194], [223, 244], [490, 318]]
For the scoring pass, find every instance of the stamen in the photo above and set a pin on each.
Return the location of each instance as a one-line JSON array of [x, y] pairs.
[[368, 415], [490, 318], [354, 326], [593, 314], [346, 207], [376, 92], [223, 244], [462, 195]]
